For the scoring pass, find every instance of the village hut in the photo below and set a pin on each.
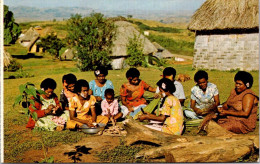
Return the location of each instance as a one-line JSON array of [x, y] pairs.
[[126, 30], [162, 53], [68, 54], [227, 35]]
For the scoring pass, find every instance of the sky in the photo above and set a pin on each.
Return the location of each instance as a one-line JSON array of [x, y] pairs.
[[148, 5]]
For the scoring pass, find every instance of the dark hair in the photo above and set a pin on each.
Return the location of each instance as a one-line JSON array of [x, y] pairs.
[[70, 78], [168, 71], [132, 72], [245, 77], [166, 85], [200, 75], [100, 70], [109, 91], [79, 84], [48, 83]]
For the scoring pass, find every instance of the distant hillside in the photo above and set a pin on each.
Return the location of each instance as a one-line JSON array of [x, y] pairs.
[[27, 14]]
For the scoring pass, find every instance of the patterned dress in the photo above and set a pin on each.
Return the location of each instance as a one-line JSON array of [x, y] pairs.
[[100, 91], [240, 124], [174, 122]]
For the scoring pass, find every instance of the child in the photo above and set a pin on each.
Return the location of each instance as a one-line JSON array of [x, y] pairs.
[[132, 93], [68, 81], [170, 73], [110, 106], [171, 114], [80, 107]]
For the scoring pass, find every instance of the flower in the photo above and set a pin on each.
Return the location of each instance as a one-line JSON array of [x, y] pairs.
[[97, 72], [163, 86]]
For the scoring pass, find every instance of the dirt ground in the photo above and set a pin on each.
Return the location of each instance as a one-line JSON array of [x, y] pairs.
[[84, 151]]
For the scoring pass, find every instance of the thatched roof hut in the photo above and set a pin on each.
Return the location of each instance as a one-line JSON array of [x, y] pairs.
[[126, 30], [29, 38], [225, 15], [162, 52], [227, 35], [68, 54]]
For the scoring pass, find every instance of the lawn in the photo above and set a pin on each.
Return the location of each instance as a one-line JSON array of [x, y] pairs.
[[18, 140]]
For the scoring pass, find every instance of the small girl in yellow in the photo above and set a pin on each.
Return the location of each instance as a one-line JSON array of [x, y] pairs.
[[80, 107], [171, 114]]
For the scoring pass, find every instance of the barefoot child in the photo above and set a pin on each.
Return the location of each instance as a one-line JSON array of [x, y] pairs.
[[110, 106], [171, 114]]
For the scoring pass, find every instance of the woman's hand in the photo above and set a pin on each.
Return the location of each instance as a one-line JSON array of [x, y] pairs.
[[49, 109], [142, 117]]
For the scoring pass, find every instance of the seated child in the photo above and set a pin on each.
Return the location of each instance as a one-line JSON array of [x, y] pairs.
[[132, 93], [110, 107], [80, 107], [68, 81], [171, 114]]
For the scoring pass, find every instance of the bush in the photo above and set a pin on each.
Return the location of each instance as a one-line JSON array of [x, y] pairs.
[[135, 52], [13, 66]]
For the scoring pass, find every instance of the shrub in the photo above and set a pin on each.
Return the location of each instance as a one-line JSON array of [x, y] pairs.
[[13, 66]]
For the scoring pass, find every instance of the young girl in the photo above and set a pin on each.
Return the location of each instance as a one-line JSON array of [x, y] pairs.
[[80, 107], [110, 106], [132, 93], [171, 114]]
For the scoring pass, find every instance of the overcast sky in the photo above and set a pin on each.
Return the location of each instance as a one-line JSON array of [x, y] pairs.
[[167, 5]]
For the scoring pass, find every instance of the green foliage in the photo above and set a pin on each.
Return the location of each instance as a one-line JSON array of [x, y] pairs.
[[52, 44], [135, 52], [181, 47], [11, 29], [144, 27], [13, 66], [92, 38], [20, 74]]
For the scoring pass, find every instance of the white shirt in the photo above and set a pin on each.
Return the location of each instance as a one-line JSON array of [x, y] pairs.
[[179, 93]]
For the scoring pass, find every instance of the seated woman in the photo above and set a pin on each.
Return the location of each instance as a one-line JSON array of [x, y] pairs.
[[50, 114], [132, 93], [204, 97], [239, 112], [99, 85], [171, 114], [82, 108]]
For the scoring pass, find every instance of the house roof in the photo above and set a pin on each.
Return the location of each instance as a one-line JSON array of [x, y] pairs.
[[226, 14], [31, 36], [165, 53], [126, 30], [68, 53]]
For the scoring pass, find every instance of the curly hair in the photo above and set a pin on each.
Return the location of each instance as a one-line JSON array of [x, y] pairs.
[[245, 77], [166, 85], [48, 83], [79, 84], [132, 72], [200, 75]]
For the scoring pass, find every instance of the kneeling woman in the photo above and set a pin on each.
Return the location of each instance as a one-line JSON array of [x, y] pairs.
[[82, 108], [171, 114], [239, 112], [49, 112]]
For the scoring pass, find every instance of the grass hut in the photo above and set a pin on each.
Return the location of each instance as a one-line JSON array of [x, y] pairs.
[[126, 30], [68, 54], [227, 35]]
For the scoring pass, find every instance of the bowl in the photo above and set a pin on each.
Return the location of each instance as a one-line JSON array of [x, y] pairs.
[[84, 128]]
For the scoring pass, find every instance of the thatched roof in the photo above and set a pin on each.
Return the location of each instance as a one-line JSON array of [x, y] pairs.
[[126, 30], [68, 54], [226, 14], [7, 59], [164, 52], [31, 36]]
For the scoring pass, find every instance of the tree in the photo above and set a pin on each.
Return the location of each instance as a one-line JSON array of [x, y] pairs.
[[52, 44], [12, 30], [92, 39]]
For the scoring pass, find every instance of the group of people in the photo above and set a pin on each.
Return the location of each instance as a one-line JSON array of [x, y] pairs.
[[94, 102]]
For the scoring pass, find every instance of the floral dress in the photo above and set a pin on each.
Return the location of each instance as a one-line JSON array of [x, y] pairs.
[[174, 121], [100, 91]]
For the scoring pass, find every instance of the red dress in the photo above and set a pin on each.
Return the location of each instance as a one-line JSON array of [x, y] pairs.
[[134, 94], [238, 124]]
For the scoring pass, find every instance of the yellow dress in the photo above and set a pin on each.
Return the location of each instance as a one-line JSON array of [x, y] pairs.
[[174, 122], [82, 111]]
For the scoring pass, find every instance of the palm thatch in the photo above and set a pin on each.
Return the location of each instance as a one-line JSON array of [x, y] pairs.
[[7, 59], [164, 53], [29, 38], [226, 14], [126, 30], [68, 54]]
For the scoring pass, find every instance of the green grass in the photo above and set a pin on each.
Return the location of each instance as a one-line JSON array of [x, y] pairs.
[[17, 139]]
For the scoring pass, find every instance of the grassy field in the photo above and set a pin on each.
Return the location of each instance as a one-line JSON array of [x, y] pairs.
[[44, 66]]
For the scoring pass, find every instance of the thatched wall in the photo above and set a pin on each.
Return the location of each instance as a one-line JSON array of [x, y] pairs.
[[227, 52]]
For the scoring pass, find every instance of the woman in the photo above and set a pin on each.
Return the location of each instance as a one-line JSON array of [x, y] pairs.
[[50, 114], [171, 114], [132, 93], [239, 113], [204, 97], [100, 84], [82, 108]]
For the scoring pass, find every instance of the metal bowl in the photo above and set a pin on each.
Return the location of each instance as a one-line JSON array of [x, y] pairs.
[[84, 128]]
